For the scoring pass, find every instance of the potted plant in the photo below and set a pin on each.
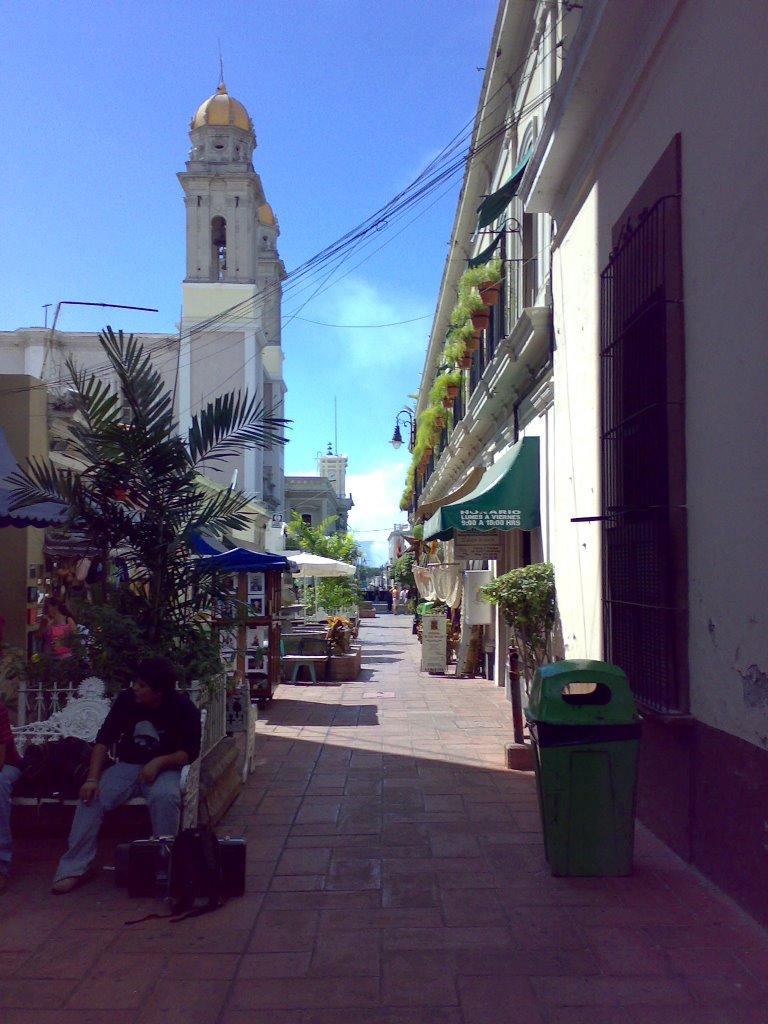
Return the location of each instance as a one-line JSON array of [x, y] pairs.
[[527, 600], [478, 311], [445, 388], [454, 350], [486, 278], [339, 634], [469, 336]]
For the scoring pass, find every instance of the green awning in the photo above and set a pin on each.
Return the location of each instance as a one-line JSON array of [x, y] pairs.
[[496, 203], [507, 497], [487, 253]]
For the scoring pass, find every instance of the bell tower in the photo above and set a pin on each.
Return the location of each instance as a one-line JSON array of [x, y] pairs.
[[223, 194], [230, 337]]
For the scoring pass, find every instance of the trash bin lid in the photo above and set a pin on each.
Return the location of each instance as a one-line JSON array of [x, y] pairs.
[[581, 692]]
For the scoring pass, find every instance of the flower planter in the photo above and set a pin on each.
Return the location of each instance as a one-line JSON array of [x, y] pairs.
[[465, 362], [490, 294], [448, 402], [453, 391], [474, 343], [480, 320]]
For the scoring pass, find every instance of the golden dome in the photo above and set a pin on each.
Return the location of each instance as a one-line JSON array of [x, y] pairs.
[[266, 216], [222, 109]]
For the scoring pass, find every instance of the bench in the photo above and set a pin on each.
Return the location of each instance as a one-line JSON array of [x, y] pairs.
[[308, 652], [82, 717]]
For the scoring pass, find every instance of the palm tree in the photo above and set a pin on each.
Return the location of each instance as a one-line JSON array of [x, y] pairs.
[[336, 593], [139, 493]]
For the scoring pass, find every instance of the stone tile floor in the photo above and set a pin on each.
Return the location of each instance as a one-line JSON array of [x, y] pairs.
[[395, 876]]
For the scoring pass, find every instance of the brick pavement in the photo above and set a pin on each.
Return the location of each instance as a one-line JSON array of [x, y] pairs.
[[395, 876]]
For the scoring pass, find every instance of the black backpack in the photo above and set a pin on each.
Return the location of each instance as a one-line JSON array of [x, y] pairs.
[[195, 877], [195, 873]]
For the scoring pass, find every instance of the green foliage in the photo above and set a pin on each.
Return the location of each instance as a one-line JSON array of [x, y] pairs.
[[317, 541], [454, 349], [465, 334], [116, 642], [439, 390], [402, 570], [140, 493], [333, 593], [427, 428], [45, 667], [336, 593], [527, 600], [472, 302], [482, 276], [410, 484]]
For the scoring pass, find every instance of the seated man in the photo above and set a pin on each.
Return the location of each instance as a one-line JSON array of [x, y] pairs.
[[157, 731], [10, 770]]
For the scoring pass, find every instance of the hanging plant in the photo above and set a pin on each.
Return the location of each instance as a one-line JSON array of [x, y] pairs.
[[454, 349], [443, 385], [484, 276], [469, 336], [427, 430], [490, 294]]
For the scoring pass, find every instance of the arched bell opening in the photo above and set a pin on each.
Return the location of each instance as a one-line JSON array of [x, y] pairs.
[[218, 249]]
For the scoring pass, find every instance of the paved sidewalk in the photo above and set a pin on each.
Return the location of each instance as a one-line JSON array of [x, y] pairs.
[[395, 876]]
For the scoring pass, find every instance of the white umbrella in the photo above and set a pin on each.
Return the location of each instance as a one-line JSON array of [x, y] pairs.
[[316, 565]]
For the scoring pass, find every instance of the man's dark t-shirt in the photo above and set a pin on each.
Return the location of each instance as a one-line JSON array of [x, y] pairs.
[[142, 733]]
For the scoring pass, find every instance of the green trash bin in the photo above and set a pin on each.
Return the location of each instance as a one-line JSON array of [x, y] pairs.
[[585, 731]]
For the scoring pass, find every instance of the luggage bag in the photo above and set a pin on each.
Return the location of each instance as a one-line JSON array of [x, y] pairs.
[[142, 866]]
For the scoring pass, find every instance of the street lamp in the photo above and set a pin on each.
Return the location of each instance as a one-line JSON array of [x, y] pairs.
[[397, 437]]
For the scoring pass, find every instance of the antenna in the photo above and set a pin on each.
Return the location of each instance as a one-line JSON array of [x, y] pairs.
[[335, 429], [221, 65]]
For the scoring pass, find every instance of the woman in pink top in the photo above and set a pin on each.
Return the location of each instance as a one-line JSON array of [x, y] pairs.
[[57, 625]]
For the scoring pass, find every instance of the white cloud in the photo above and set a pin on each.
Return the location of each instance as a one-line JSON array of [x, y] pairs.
[[353, 301], [377, 499]]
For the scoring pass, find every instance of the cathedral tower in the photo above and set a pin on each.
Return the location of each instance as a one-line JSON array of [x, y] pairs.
[[232, 286]]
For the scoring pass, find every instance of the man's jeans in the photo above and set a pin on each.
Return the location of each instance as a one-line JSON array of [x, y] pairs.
[[8, 775], [117, 785]]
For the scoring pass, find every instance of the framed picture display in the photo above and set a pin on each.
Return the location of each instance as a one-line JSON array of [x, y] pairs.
[[31, 595]]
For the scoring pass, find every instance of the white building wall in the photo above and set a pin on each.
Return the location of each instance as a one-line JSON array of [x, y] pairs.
[[710, 87], [575, 468]]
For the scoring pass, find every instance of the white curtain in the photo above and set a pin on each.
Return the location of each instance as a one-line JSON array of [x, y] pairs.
[[439, 583], [424, 583], [447, 582]]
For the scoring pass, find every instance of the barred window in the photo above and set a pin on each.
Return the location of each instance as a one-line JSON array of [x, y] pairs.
[[642, 355]]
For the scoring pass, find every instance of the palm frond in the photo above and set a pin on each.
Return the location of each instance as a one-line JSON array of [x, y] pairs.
[[231, 423], [41, 481], [143, 390]]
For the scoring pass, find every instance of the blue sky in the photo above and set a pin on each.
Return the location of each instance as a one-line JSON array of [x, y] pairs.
[[350, 99]]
